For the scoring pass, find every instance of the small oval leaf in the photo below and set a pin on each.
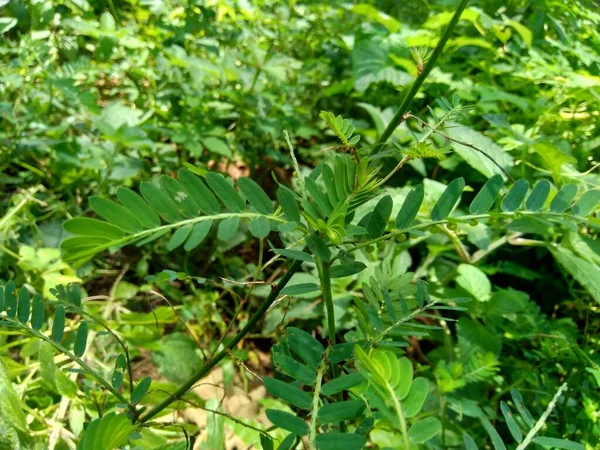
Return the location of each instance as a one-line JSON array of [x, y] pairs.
[[448, 200]]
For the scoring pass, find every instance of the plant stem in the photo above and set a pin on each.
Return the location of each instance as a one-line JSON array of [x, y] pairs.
[[208, 366], [542, 420], [328, 298], [403, 109], [401, 418], [315, 404]]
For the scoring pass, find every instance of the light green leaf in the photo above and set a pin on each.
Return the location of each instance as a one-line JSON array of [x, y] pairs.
[[299, 289], [218, 146], [84, 226], [227, 228], [140, 389], [472, 157], [558, 443], [474, 281], [424, 429], [586, 203], [587, 274], [6, 23], [259, 227], [415, 400], [553, 158], [179, 237]]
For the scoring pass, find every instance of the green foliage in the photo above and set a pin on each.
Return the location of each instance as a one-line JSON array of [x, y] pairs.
[[160, 228]]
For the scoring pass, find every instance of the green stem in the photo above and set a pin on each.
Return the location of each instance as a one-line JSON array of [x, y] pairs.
[[316, 397], [401, 418], [328, 298], [208, 366], [405, 105]]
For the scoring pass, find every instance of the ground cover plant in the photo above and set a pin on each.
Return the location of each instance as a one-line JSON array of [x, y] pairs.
[[299, 225]]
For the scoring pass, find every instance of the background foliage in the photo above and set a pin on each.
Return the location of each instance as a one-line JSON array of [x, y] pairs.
[[101, 95]]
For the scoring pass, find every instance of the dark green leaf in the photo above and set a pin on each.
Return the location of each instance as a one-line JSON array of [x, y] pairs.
[[563, 198], [586, 203], [186, 203], [140, 389], [342, 383], [448, 200], [337, 412], [288, 392], [538, 196], [410, 207], [199, 192], [340, 441], [329, 181], [259, 227], [115, 214], [74, 295], [510, 422], [228, 227], [380, 217], [225, 191], [292, 368], [160, 201], [305, 346], [289, 204], [288, 443], [347, 269], [486, 197], [198, 234], [294, 254], [37, 315], [494, 436], [288, 422], [58, 326], [81, 339], [299, 289], [424, 429], [318, 196], [85, 226], [138, 207], [318, 246], [24, 305], [10, 300], [179, 237], [266, 442], [513, 200], [255, 195]]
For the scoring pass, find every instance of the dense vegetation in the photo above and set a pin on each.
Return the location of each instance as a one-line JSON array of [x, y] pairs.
[[280, 225]]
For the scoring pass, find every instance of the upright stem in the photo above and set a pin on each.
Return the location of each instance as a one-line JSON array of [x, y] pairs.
[[405, 105], [209, 365], [328, 298]]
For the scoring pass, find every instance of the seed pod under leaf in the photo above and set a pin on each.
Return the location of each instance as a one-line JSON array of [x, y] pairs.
[[473, 222], [370, 248], [435, 229], [81, 339], [452, 226], [381, 245], [37, 314], [58, 327], [401, 237]]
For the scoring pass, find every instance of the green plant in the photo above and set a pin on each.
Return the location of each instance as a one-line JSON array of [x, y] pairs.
[[335, 224]]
